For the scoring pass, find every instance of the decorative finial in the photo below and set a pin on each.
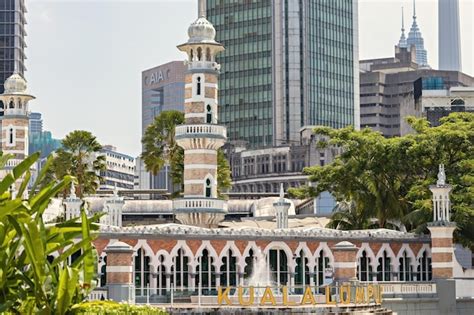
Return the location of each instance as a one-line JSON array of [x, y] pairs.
[[72, 192], [414, 10], [202, 8], [115, 190], [403, 22], [282, 192], [441, 176]]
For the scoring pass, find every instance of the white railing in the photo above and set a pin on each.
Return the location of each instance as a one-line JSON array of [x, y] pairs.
[[98, 294], [404, 288], [199, 203], [201, 130], [13, 162], [203, 65]]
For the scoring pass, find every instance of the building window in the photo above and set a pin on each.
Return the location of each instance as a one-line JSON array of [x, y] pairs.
[[208, 188], [161, 276], [180, 270], [142, 273], [208, 114], [424, 268], [103, 273], [206, 273], [383, 269], [229, 276], [208, 54], [405, 270], [10, 135], [302, 276], [249, 263], [278, 263], [322, 264], [198, 88], [364, 268]]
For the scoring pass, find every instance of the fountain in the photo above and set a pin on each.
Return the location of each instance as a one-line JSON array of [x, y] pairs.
[[260, 277]]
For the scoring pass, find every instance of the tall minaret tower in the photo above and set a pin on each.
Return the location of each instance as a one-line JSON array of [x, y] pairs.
[[201, 136], [15, 119]]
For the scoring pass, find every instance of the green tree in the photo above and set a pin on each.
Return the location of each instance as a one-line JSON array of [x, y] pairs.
[[389, 178], [32, 279], [80, 157], [160, 147]]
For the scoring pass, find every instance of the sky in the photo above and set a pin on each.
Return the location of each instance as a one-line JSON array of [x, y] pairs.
[[85, 57]]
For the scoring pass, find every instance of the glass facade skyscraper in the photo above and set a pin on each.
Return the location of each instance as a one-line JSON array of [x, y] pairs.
[[12, 39], [287, 64]]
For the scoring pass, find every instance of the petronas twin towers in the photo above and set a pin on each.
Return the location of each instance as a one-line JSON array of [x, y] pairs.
[[449, 43]]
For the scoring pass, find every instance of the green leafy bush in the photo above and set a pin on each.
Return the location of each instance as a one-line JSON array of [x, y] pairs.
[[110, 307]]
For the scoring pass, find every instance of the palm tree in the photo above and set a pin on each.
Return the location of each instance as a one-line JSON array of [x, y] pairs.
[[80, 157], [348, 216], [160, 147]]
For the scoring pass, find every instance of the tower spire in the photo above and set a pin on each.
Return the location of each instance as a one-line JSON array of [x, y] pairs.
[[414, 10], [202, 8], [402, 43]]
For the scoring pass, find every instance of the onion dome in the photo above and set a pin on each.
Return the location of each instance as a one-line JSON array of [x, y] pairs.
[[201, 31], [15, 84]]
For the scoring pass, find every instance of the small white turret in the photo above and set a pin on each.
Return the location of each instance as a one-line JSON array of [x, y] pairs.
[[113, 210], [441, 200], [282, 207], [72, 204]]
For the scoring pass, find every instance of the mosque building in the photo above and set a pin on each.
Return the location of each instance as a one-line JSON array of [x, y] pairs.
[[213, 243]]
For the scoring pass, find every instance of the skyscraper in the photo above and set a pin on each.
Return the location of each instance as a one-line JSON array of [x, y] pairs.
[[449, 43], [12, 39], [36, 123], [415, 38], [287, 64], [402, 43]]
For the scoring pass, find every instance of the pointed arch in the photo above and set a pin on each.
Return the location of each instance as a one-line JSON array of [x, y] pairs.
[[370, 254]]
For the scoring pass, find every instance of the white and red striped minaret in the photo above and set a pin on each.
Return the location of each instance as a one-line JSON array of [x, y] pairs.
[[15, 121], [201, 136]]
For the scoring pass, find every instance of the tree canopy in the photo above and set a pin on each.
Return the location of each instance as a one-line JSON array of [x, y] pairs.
[[79, 157], [388, 179], [160, 147]]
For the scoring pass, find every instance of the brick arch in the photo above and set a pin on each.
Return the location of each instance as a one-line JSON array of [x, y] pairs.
[[167, 262], [410, 254], [143, 244], [370, 254], [231, 245], [311, 259], [285, 248], [212, 253], [393, 259], [425, 247], [323, 246]]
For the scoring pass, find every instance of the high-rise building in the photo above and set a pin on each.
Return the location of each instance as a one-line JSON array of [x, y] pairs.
[[449, 41], [12, 39], [162, 89], [120, 169], [36, 123], [287, 64], [415, 38], [392, 88]]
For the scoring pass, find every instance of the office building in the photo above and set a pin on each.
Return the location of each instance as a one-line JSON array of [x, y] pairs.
[[162, 89], [12, 39], [36, 123], [416, 39], [120, 169], [449, 38], [437, 104], [287, 64], [392, 88]]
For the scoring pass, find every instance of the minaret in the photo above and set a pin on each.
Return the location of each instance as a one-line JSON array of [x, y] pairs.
[[415, 38], [402, 43], [201, 136], [15, 119], [441, 229], [449, 38], [281, 207]]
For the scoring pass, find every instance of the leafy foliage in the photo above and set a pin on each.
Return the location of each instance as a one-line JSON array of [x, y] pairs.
[[388, 179], [79, 157], [110, 307], [35, 277], [159, 147]]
